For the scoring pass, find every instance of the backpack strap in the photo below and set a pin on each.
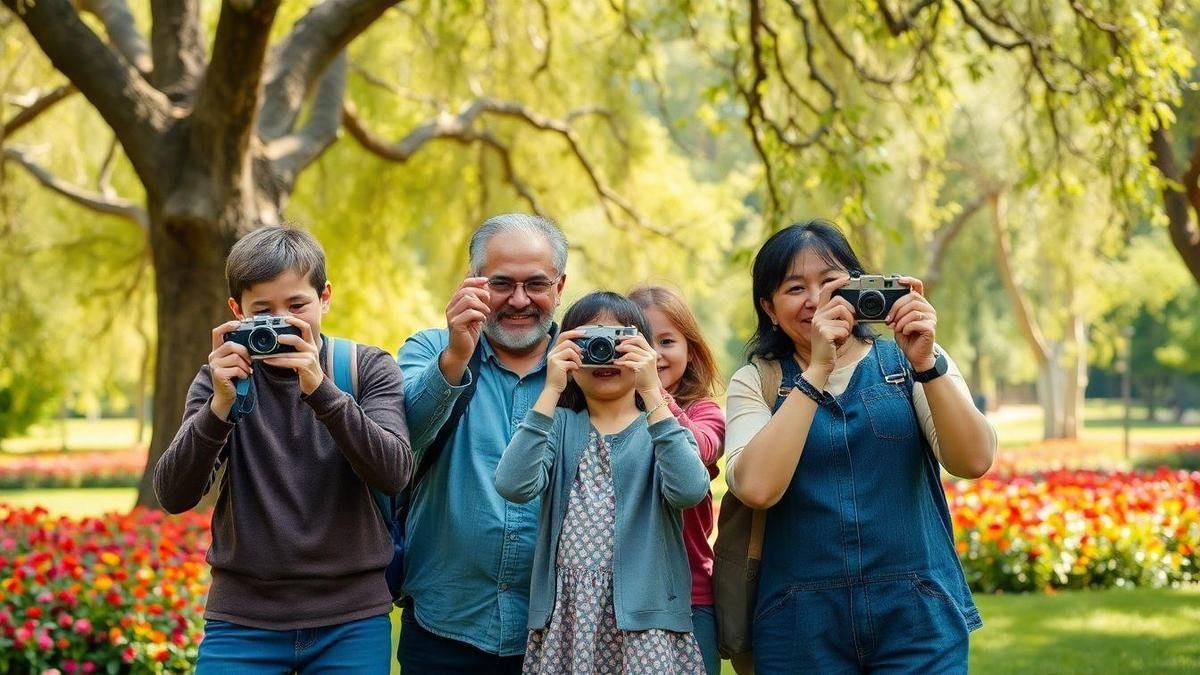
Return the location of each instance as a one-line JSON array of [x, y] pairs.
[[434, 451]]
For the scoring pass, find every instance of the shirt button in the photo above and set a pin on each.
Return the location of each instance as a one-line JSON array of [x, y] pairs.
[[512, 537], [504, 586]]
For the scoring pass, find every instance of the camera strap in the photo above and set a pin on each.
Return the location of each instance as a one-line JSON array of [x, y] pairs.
[[243, 404]]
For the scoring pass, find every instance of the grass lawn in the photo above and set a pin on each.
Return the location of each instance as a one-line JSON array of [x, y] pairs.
[[78, 434], [1145, 630], [73, 502]]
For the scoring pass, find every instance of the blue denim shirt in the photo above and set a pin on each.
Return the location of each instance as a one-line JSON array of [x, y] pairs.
[[470, 552]]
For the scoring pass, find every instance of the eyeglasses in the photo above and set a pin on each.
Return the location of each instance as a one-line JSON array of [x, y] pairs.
[[506, 286]]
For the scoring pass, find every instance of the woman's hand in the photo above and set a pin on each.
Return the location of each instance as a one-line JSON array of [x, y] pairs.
[[914, 321], [564, 358], [832, 325], [638, 356]]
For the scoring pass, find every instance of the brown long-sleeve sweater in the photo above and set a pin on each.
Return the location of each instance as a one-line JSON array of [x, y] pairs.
[[297, 541]]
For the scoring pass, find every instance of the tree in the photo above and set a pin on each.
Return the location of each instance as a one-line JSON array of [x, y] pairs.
[[218, 138]]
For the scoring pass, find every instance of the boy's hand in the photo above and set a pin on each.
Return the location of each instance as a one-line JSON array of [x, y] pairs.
[[227, 362], [307, 359]]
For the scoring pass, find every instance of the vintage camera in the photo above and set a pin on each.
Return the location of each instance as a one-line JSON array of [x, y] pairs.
[[872, 295], [260, 335], [599, 343]]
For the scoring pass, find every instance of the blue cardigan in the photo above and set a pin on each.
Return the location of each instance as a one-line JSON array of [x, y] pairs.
[[657, 473]]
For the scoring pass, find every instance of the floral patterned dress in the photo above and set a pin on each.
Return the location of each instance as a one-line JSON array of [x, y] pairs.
[[582, 636]]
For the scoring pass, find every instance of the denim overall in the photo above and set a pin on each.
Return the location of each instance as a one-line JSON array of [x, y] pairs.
[[859, 572]]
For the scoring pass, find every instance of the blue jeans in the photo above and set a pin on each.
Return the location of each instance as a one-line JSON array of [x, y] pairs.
[[422, 652], [704, 627], [363, 646], [904, 623]]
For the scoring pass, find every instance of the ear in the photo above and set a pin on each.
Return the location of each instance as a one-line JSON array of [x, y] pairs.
[[236, 309], [769, 308], [326, 294]]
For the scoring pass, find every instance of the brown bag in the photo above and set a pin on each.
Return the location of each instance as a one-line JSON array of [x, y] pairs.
[[737, 552]]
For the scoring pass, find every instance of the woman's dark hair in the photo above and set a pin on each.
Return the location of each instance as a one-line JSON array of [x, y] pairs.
[[771, 266], [625, 311]]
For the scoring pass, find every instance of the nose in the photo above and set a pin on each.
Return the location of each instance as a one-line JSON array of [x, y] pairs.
[[519, 298]]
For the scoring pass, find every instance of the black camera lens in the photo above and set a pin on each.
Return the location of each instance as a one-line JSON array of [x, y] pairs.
[[263, 340], [870, 304], [600, 350]]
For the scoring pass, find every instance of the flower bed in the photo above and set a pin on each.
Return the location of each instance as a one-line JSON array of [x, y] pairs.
[[126, 592], [1078, 529], [72, 470], [122, 593]]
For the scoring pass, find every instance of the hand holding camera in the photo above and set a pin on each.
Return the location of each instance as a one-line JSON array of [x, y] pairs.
[[638, 356], [283, 342], [228, 362], [565, 357], [914, 321]]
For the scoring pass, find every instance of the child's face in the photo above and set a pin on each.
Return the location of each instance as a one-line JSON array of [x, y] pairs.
[[606, 383], [671, 346], [289, 294]]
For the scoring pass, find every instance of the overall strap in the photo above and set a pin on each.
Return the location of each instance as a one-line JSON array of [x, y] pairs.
[[791, 371], [893, 365]]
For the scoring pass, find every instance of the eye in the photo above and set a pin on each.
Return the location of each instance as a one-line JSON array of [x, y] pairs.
[[501, 285], [794, 289], [298, 306], [538, 285], [667, 342]]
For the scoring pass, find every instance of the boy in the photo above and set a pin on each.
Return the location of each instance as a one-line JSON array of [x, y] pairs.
[[298, 545]]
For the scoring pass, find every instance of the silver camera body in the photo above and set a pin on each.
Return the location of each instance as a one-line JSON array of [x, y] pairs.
[[872, 295], [599, 343], [260, 336]]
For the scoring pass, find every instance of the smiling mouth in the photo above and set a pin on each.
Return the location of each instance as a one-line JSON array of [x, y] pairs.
[[606, 372]]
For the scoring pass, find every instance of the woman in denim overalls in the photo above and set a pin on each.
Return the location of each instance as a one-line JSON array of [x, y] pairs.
[[859, 572]]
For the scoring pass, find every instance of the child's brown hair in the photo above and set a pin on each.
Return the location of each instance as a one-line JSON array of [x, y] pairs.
[[699, 379]]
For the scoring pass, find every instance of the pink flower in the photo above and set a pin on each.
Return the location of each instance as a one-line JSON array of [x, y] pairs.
[[70, 666], [83, 626], [89, 667], [44, 642]]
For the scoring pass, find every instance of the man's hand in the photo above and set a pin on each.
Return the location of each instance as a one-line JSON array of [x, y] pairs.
[[465, 315], [227, 363], [306, 361]]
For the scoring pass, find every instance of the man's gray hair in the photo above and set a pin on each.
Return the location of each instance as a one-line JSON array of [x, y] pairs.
[[517, 222]]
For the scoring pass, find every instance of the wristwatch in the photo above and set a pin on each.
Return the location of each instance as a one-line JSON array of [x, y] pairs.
[[940, 366]]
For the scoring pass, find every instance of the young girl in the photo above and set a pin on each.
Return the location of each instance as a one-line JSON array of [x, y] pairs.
[[610, 582], [688, 373]]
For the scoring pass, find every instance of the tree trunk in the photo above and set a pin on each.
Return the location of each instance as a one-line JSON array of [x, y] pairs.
[[189, 266]]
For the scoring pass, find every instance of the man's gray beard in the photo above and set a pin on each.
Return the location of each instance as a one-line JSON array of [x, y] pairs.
[[517, 340]]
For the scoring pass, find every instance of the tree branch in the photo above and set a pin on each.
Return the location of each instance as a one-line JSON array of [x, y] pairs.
[[122, 31], [37, 107], [177, 44], [1180, 209], [114, 206], [222, 120], [292, 153], [1024, 313], [305, 53], [136, 111], [460, 127], [936, 251]]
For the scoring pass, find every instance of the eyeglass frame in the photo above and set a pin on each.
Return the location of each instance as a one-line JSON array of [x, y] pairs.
[[551, 283]]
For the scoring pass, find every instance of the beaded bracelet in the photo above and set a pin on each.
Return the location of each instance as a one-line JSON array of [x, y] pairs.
[[810, 391]]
